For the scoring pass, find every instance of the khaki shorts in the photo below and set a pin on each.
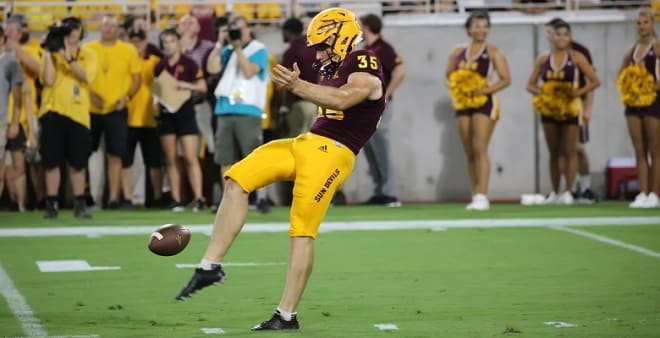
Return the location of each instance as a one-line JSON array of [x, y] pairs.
[[236, 137]]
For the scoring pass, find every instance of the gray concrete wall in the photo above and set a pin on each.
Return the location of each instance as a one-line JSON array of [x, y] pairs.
[[430, 160]]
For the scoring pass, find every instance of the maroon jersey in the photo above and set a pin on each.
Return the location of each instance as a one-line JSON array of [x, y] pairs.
[[185, 69], [649, 59], [387, 56], [481, 63], [578, 47], [305, 57], [354, 126], [567, 71]]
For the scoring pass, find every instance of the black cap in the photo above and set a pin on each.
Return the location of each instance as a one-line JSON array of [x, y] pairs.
[[293, 25]]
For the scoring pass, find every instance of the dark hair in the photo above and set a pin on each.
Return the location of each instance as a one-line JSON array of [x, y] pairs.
[[373, 22], [562, 24], [293, 25], [167, 32], [137, 33], [554, 22], [220, 21], [479, 15], [74, 23], [2, 30], [128, 22]]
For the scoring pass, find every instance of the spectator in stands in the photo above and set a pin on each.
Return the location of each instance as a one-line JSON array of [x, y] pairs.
[[241, 99], [378, 151], [560, 68], [11, 80], [28, 52], [583, 193], [64, 116], [117, 80], [180, 125], [477, 122], [142, 124], [138, 23], [297, 113], [643, 119]]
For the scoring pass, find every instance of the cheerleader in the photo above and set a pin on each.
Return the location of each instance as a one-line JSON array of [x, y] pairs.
[[643, 119], [476, 120], [561, 67]]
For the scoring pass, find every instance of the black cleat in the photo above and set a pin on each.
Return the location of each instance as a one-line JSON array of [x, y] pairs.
[[201, 279], [277, 323]]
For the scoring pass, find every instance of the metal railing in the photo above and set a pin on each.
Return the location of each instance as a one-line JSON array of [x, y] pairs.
[[163, 13]]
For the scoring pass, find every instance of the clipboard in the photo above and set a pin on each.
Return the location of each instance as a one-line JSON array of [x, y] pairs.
[[165, 91]]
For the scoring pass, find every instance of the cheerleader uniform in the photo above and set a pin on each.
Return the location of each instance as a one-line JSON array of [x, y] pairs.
[[483, 65], [567, 71], [650, 61]]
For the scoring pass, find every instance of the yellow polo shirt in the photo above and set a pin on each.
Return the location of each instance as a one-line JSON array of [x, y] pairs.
[[140, 108], [33, 49], [116, 66], [68, 96]]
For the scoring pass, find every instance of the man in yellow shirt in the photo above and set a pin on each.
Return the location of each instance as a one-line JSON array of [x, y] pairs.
[[64, 116], [117, 80]]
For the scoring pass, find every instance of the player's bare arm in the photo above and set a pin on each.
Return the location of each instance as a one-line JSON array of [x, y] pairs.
[[532, 83], [585, 67], [626, 58], [359, 87], [502, 70]]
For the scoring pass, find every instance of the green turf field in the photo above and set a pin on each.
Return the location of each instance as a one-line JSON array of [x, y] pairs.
[[447, 282]]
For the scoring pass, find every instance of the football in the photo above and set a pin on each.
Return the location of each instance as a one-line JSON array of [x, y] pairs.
[[169, 240]]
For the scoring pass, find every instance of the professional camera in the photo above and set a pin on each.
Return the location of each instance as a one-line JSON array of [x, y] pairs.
[[235, 33], [55, 37]]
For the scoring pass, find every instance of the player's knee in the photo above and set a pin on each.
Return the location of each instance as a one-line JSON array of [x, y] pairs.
[[232, 187]]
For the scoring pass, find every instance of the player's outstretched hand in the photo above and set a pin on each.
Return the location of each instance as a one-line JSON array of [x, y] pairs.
[[285, 77]]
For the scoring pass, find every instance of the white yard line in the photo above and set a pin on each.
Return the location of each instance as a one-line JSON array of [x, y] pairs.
[[609, 241], [19, 307], [342, 226]]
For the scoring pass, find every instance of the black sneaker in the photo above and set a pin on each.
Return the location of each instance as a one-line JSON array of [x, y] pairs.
[[375, 199], [390, 201], [263, 206], [201, 279], [199, 206], [339, 198], [80, 208], [176, 206], [277, 323], [51, 209], [588, 196]]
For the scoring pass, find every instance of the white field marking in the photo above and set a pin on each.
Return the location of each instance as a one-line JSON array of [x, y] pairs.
[[185, 266], [71, 266], [74, 336], [610, 241], [19, 307], [343, 226], [386, 327], [213, 330], [559, 325]]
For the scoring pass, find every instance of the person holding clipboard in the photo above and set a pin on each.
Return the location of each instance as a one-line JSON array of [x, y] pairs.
[[175, 78]]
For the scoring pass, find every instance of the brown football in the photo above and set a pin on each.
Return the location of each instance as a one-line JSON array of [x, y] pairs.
[[169, 240]]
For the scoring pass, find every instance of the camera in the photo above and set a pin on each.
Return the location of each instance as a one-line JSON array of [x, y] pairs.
[[55, 37], [235, 33]]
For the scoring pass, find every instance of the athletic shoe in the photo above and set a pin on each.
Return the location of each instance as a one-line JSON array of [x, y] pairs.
[[552, 198], [384, 200], [339, 198], [113, 205], [652, 201], [565, 198], [199, 206], [479, 202], [201, 279], [277, 323], [639, 202], [80, 209], [263, 206], [176, 206], [51, 209], [587, 197]]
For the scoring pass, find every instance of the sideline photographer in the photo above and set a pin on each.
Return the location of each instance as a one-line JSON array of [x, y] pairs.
[[241, 100], [67, 70]]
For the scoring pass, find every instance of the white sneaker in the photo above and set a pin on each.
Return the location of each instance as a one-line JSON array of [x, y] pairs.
[[565, 198], [479, 202], [639, 202], [652, 201], [552, 198]]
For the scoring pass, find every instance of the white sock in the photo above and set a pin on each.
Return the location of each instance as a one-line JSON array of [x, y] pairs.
[[206, 264], [585, 182], [288, 316]]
